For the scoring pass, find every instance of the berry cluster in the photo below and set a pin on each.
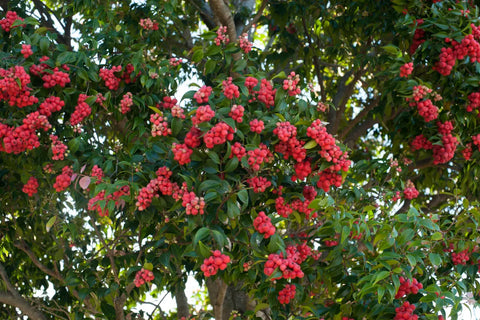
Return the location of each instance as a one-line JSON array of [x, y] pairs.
[[292, 148], [193, 205], [266, 94], [467, 151], [168, 102], [229, 89], [97, 173], [257, 126], [327, 178], [50, 105], [407, 287], [302, 170], [142, 277], [56, 78], [245, 45], [64, 179], [22, 138], [418, 37], [420, 142], [160, 184], [203, 114], [285, 131], [289, 266], [177, 112], [202, 95], [427, 110], [222, 37], [82, 110], [26, 50], [445, 152], [219, 134], [258, 156], [302, 207], [126, 103], [405, 312], [31, 186], [175, 62], [7, 22], [263, 225], [148, 24], [159, 126], [410, 192], [237, 113], [474, 99], [287, 294], [108, 75], [258, 184], [406, 69], [216, 261], [59, 149], [461, 257], [181, 153], [13, 87], [238, 151], [193, 137], [283, 208], [93, 204], [290, 84]]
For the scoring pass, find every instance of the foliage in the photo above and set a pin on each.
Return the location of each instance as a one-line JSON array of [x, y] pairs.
[[321, 175]]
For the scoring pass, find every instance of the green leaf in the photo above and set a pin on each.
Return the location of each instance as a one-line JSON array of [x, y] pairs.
[[231, 165], [201, 234], [437, 236], [243, 196], [435, 259], [380, 293], [204, 250], [44, 45], [233, 209], [411, 259], [197, 55], [50, 223], [310, 144]]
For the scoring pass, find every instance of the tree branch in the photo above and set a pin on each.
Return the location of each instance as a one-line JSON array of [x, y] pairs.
[[353, 123], [257, 16], [205, 13], [222, 12], [22, 304], [216, 292], [45, 16], [4, 276]]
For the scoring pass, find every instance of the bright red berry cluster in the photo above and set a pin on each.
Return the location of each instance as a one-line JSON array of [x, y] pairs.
[[418, 37], [237, 113], [219, 134], [159, 126], [266, 93], [193, 137], [230, 90], [82, 110], [290, 84], [168, 102], [420, 142], [59, 149], [160, 184], [461, 257], [427, 110], [97, 173], [302, 170], [445, 152], [474, 99], [258, 184], [58, 77], [467, 151], [287, 294], [111, 80], [216, 261], [126, 103], [406, 69], [13, 87], [283, 208], [93, 204], [203, 94], [257, 157], [408, 286], [31, 186], [64, 179], [263, 225], [181, 153], [410, 192], [193, 205], [7, 22], [142, 277], [405, 312], [238, 151], [285, 131], [50, 105], [290, 266], [327, 178], [203, 114], [26, 50], [257, 126]]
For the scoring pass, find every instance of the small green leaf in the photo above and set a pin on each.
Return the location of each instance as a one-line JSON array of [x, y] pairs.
[[310, 144], [435, 259], [50, 223]]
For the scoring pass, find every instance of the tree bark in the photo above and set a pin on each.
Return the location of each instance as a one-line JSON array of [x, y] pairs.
[[217, 290], [182, 303]]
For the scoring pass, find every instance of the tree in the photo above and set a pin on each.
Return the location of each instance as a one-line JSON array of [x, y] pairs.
[[329, 172]]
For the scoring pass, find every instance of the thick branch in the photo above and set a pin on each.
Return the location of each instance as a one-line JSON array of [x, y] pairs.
[[22, 304], [222, 12], [8, 284], [205, 13], [182, 303], [45, 16], [353, 123], [216, 292], [24, 247]]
